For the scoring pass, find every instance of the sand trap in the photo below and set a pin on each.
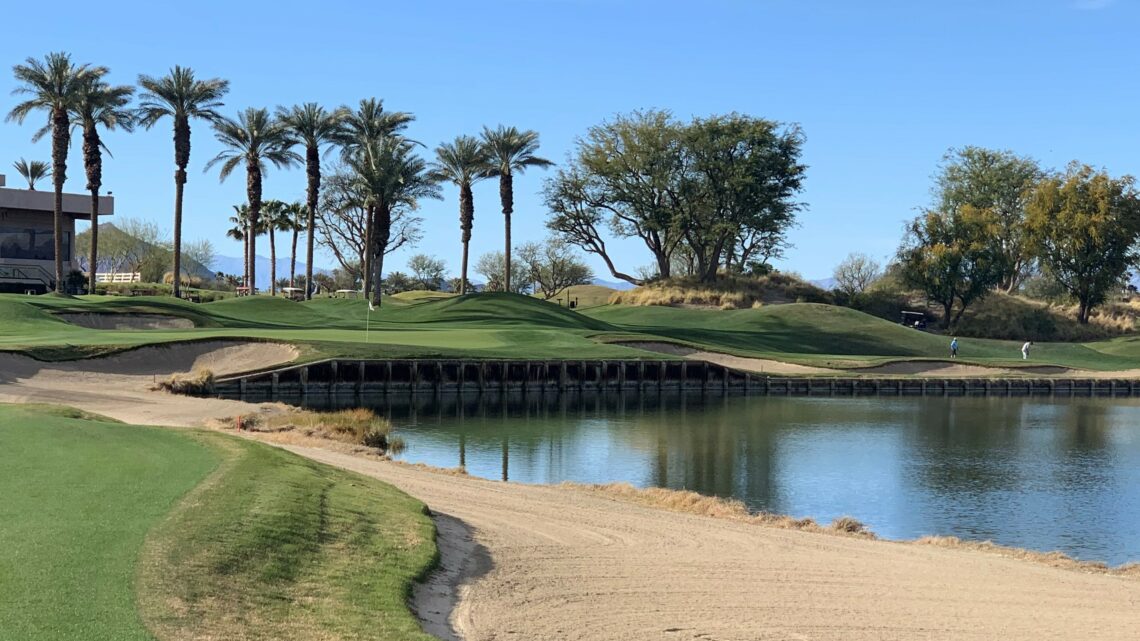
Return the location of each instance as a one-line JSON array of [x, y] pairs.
[[942, 369], [128, 321], [920, 368], [119, 385], [761, 365]]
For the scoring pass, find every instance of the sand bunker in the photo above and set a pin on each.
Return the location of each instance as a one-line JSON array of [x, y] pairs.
[[920, 368], [942, 369], [761, 365], [119, 385], [128, 321]]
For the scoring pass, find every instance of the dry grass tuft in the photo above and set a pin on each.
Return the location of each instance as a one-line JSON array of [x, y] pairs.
[[727, 292], [360, 427], [693, 503], [196, 383], [1054, 559], [849, 525]]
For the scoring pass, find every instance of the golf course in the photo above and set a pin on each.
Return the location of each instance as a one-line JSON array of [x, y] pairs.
[[116, 531], [496, 325]]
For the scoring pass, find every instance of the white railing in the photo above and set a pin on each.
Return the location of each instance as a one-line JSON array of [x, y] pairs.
[[118, 277]]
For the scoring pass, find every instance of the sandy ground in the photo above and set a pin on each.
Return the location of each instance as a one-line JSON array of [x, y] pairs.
[[539, 562], [931, 369], [119, 386]]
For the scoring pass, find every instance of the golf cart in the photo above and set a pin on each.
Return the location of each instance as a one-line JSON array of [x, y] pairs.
[[916, 320]]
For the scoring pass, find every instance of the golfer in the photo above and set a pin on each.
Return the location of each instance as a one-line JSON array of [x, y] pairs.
[[1025, 350], [954, 348]]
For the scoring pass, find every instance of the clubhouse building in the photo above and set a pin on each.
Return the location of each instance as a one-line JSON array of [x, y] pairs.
[[27, 243]]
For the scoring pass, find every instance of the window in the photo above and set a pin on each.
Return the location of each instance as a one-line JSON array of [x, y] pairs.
[[31, 244]]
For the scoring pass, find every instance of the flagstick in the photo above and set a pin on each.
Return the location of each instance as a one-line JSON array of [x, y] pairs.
[[367, 320]]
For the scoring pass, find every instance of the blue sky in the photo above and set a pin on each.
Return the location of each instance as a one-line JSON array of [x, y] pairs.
[[881, 89]]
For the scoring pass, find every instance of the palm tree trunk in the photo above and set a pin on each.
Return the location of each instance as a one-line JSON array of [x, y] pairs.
[[179, 183], [253, 192], [507, 196], [313, 170], [59, 138], [369, 242], [293, 257], [466, 219], [245, 258], [93, 263], [272, 262], [383, 229]]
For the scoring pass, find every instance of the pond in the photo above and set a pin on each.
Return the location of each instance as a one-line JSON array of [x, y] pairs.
[[1036, 473]]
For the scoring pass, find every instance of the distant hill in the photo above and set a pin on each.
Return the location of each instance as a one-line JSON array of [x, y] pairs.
[[236, 265]]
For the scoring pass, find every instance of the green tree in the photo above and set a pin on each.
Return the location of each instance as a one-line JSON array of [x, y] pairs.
[[54, 85], [716, 193], [741, 176], [274, 218], [511, 152], [313, 127], [361, 132], [32, 171], [254, 139], [241, 231], [1002, 182], [391, 178], [493, 267], [182, 98], [428, 272], [952, 258], [553, 266], [1083, 227], [296, 220], [99, 104], [463, 163]]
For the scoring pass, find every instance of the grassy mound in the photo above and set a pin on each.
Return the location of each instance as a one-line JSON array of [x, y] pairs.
[[496, 309], [728, 292], [1018, 318], [238, 540], [586, 295]]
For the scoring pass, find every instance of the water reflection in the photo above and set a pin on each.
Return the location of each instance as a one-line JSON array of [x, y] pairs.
[[1030, 472]]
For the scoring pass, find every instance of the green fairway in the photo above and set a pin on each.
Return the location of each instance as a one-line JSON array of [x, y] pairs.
[[508, 326], [111, 530], [78, 499]]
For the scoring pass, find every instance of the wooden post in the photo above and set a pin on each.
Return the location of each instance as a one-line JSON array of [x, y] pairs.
[[274, 380], [304, 381]]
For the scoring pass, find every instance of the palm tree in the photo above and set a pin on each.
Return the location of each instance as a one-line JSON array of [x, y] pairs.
[[463, 163], [391, 177], [100, 105], [361, 133], [511, 152], [32, 171], [181, 97], [313, 127], [255, 138], [53, 85], [295, 220], [240, 231], [275, 217]]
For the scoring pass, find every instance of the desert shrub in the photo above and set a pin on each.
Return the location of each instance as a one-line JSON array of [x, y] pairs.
[[1018, 318], [727, 292]]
